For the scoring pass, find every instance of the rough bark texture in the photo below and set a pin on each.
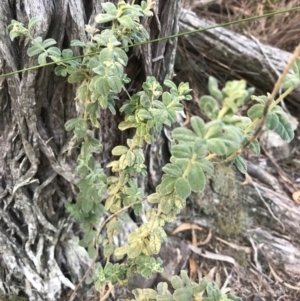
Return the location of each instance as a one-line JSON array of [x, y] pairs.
[[39, 253]]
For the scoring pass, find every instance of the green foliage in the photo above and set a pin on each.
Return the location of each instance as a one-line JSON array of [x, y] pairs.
[[99, 77], [293, 80], [276, 119], [184, 290]]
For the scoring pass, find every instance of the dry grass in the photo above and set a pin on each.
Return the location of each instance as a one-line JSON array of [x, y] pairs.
[[282, 31]]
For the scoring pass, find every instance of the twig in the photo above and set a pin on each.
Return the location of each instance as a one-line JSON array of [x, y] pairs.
[[110, 289], [255, 254], [280, 280], [265, 203]]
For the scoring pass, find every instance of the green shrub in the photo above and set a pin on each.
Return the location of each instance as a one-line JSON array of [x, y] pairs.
[[99, 76]]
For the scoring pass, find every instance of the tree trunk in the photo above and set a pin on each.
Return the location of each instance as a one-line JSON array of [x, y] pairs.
[[39, 255]]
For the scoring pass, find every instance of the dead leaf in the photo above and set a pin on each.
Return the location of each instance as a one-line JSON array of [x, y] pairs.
[[213, 256], [206, 240], [193, 268], [247, 180], [185, 227], [296, 196]]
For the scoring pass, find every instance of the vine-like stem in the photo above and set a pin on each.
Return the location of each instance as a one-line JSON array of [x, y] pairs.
[[159, 39], [97, 246], [274, 104], [276, 88], [186, 171]]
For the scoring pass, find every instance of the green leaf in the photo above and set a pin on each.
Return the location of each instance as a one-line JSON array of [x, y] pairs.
[[76, 77], [80, 129], [272, 121], [71, 69], [183, 294], [198, 126], [110, 8], [103, 18], [255, 147], [144, 114], [182, 188], [296, 67], [67, 53], [108, 250], [166, 98], [78, 43], [89, 280], [155, 242], [233, 298], [213, 88], [240, 164], [91, 109], [201, 287], [87, 206], [106, 54], [115, 84], [170, 84], [33, 21], [196, 177], [166, 203], [213, 291], [284, 128], [101, 84], [167, 185], [91, 251], [121, 251], [135, 250], [256, 111], [154, 198], [209, 106], [145, 100], [92, 145], [126, 21], [183, 135], [200, 147], [60, 71], [130, 158], [217, 146], [176, 282], [121, 55], [206, 166], [172, 170], [262, 99], [124, 125], [160, 115], [34, 50], [49, 42], [145, 294], [42, 58], [181, 151], [54, 51], [119, 150], [290, 81], [72, 123]]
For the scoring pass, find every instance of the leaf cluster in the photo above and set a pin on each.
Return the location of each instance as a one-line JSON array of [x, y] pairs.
[[184, 289], [100, 77]]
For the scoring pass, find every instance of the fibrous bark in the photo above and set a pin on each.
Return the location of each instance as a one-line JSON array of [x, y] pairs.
[[39, 252]]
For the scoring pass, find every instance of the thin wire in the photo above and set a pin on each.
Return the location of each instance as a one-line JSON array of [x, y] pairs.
[[161, 39]]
